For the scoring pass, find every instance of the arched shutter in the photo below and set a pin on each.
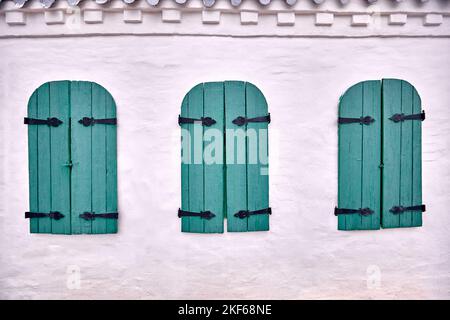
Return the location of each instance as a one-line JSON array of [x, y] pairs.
[[402, 150], [72, 162], [213, 186], [247, 180], [49, 158], [94, 171], [203, 178], [380, 163], [360, 157]]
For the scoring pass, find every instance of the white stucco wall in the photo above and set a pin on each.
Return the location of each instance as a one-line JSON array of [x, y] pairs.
[[303, 255], [302, 69]]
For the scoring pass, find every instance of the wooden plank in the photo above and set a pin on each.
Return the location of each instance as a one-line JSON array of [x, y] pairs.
[[33, 167], [44, 158], [60, 156], [196, 169], [350, 158], [236, 168], [81, 97], [185, 164], [257, 159], [371, 150], [99, 158], [111, 164], [392, 104], [214, 156], [416, 181], [406, 153]]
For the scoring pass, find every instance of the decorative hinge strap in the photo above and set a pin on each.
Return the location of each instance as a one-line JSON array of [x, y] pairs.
[[360, 211], [398, 117], [245, 213], [52, 215], [92, 216], [91, 121], [401, 209], [240, 121], [206, 121], [202, 214], [362, 120], [52, 122]]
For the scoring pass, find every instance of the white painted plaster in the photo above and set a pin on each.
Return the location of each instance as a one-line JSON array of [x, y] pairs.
[[303, 255]]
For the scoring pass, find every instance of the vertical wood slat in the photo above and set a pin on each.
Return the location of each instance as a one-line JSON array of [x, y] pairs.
[[196, 168], [406, 139], [257, 151], [98, 156], [60, 156], [81, 97], [111, 164], [214, 167], [33, 168], [392, 104], [371, 155], [185, 164], [416, 180], [235, 150], [44, 160], [350, 158]]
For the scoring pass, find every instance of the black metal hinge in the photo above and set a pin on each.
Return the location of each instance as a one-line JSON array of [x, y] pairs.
[[399, 117], [240, 121], [245, 213], [362, 120], [51, 122], [401, 209], [55, 215], [203, 214], [91, 121], [92, 216], [206, 121], [361, 211]]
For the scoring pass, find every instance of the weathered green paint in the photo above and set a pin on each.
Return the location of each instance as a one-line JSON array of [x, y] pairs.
[[81, 144], [60, 155], [213, 95], [111, 164], [195, 169], [396, 146], [235, 154], [359, 156], [72, 168], [33, 170], [401, 155], [257, 159], [185, 154], [223, 181], [416, 161], [44, 163], [98, 156]]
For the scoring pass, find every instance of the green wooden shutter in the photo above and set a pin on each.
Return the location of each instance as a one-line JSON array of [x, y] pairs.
[[359, 156], [202, 183], [72, 167], [224, 187], [247, 183], [49, 158], [380, 163], [402, 173]]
